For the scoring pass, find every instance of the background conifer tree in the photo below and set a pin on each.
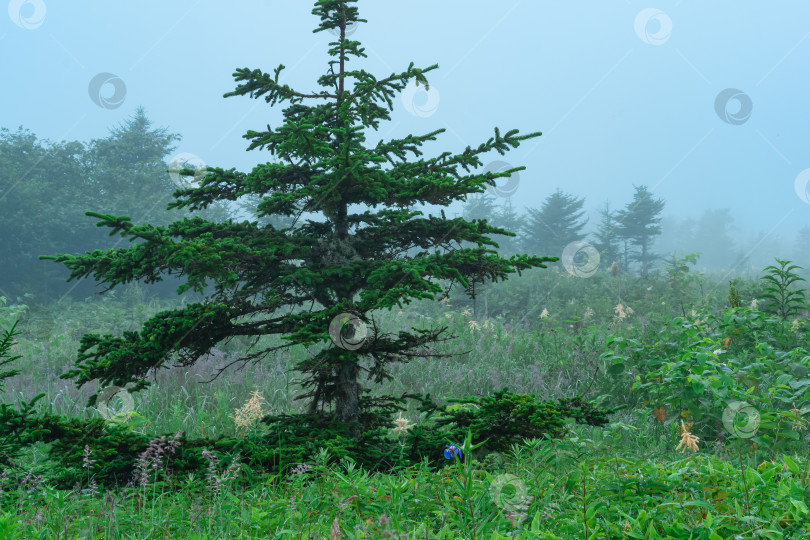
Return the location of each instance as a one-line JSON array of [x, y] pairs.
[[556, 224], [46, 188], [638, 226], [508, 218], [606, 239], [483, 206], [479, 206], [339, 270]]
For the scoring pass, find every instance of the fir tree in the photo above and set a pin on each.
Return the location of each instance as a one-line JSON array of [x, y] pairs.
[[340, 270], [482, 206], [479, 206], [556, 224], [128, 168], [507, 218], [639, 225], [606, 238], [48, 188]]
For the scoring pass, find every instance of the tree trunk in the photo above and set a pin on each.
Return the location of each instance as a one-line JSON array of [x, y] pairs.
[[347, 406]]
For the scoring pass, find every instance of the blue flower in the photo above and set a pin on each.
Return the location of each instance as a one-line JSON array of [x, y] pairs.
[[448, 453]]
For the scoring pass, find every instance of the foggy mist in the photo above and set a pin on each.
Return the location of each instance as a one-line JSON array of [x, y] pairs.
[[702, 104]]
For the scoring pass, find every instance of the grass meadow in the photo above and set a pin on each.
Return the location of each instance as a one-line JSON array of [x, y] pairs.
[[669, 346]]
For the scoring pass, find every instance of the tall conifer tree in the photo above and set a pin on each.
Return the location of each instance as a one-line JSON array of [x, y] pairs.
[[639, 223], [606, 238], [558, 223], [508, 218], [349, 265]]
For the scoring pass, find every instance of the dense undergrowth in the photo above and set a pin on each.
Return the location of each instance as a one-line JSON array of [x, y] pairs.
[[708, 437]]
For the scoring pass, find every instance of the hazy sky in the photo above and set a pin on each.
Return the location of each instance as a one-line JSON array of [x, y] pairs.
[[704, 102]]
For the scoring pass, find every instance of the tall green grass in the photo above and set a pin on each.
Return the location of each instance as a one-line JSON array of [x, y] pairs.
[[627, 481]]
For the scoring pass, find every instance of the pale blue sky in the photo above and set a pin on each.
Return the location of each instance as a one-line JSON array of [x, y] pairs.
[[619, 102]]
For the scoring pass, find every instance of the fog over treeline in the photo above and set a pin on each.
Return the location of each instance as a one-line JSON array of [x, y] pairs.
[[124, 172], [695, 108], [723, 243]]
